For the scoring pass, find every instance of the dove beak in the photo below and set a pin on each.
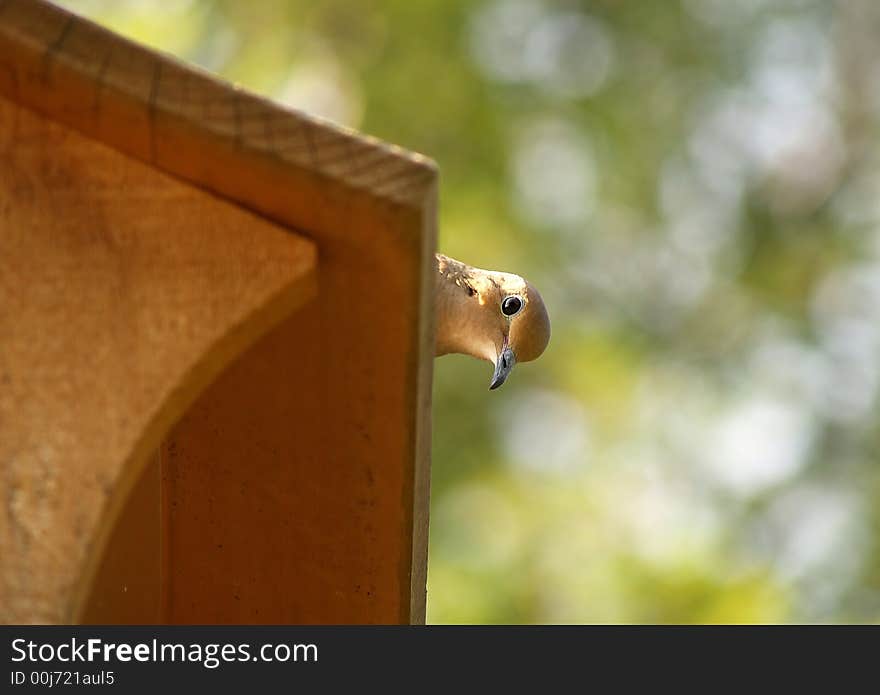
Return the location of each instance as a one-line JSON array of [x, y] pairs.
[[503, 366]]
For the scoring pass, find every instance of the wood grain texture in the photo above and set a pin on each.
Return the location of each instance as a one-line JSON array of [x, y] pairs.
[[123, 293], [162, 111], [318, 435]]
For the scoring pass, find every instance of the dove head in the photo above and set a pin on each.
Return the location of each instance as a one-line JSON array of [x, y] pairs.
[[499, 317]]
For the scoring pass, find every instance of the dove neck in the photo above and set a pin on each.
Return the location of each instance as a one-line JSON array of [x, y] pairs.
[[460, 324]]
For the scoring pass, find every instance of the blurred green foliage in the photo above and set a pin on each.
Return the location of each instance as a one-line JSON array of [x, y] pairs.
[[695, 187]]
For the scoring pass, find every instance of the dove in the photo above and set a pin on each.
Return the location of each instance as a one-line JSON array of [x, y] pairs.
[[490, 315]]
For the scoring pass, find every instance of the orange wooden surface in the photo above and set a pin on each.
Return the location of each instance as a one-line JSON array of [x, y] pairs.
[[123, 293], [128, 579], [296, 486]]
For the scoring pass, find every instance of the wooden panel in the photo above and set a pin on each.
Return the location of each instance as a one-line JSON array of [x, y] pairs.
[[122, 294], [346, 383], [128, 581], [286, 499]]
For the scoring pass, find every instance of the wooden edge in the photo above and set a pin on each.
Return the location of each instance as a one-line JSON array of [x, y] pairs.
[[108, 77], [422, 412], [200, 375]]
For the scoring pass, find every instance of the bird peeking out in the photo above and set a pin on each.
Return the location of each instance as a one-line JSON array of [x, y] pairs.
[[499, 317]]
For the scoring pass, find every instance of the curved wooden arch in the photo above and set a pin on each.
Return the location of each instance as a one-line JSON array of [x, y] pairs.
[[115, 316]]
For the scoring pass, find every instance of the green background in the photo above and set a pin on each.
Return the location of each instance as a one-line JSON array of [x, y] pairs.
[[695, 188]]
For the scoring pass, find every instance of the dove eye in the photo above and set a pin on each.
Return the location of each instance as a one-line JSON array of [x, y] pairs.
[[511, 306]]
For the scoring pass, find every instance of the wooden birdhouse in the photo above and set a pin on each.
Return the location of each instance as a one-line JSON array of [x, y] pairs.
[[216, 344]]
